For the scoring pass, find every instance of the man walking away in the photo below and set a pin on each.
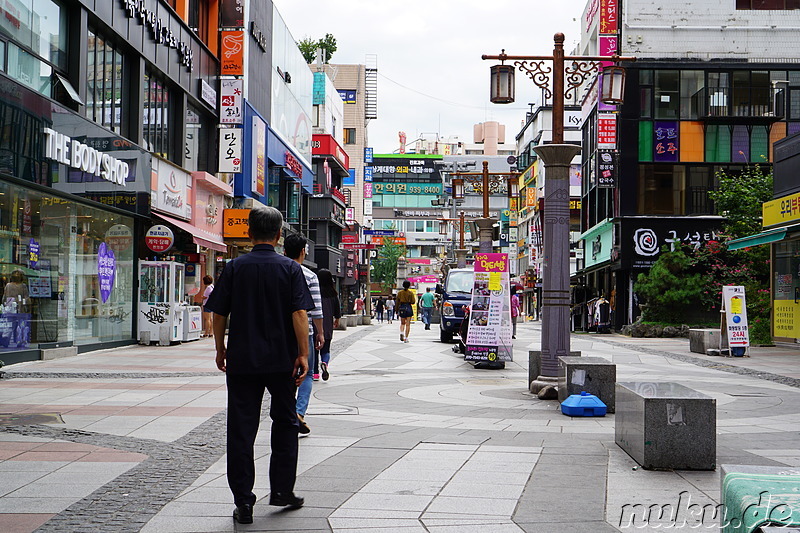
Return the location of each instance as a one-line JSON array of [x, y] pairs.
[[294, 247], [264, 296], [426, 305], [390, 308]]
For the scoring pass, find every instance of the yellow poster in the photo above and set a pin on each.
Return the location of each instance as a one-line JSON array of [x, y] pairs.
[[495, 282], [736, 305], [786, 321]]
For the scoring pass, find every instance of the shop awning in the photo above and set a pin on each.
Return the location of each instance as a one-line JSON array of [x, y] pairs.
[[201, 237], [765, 237]]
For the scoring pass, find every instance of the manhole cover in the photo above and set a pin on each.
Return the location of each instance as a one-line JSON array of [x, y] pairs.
[[29, 419]]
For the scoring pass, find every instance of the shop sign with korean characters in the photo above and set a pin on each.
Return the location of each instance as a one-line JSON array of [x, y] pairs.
[[489, 330], [159, 238], [230, 111], [230, 150]]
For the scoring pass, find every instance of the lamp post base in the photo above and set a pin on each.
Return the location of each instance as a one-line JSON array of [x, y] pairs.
[[541, 382], [461, 257]]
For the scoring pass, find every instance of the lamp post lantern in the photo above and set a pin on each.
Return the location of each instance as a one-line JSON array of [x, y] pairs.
[[487, 182], [557, 158], [461, 251]]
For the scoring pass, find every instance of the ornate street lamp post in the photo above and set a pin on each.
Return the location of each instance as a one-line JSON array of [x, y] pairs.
[[488, 183], [557, 158], [461, 252]]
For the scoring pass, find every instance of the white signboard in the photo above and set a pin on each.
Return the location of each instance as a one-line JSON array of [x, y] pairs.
[[230, 149], [230, 102], [368, 207], [735, 307], [171, 189]]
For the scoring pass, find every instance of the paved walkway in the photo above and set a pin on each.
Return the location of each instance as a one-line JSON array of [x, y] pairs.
[[405, 438]]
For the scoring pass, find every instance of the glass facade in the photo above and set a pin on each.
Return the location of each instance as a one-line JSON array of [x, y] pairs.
[[158, 135], [66, 271], [104, 83], [786, 289]]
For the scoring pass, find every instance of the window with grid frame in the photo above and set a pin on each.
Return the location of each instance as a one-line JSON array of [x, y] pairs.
[[349, 135], [157, 123], [104, 83]]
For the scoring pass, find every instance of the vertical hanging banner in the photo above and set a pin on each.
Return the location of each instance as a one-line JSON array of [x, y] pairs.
[[232, 53], [230, 150], [489, 329], [230, 102], [606, 131], [106, 270], [259, 155], [734, 306]]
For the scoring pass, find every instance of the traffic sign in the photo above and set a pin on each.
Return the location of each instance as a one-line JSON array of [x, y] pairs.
[[381, 232]]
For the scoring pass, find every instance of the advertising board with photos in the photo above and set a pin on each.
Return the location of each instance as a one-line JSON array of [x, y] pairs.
[[489, 327]]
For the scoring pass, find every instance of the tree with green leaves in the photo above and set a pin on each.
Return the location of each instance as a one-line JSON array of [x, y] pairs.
[[308, 47], [683, 282], [384, 269]]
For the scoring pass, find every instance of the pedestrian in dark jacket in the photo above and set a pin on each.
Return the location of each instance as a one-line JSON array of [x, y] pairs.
[[331, 313]]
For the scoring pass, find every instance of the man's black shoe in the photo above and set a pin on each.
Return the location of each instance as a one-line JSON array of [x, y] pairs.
[[243, 514], [284, 499]]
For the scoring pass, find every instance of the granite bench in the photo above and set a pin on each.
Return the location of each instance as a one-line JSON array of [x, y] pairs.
[[759, 498], [666, 426], [594, 375], [703, 340]]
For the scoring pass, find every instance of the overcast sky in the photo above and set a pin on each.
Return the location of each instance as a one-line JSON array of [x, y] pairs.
[[431, 78]]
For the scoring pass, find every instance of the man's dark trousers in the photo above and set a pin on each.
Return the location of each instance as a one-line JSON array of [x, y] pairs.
[[245, 394]]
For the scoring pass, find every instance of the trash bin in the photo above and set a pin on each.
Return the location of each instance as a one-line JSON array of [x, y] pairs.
[[738, 351]]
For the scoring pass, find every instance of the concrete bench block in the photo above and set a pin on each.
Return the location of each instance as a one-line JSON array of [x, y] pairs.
[[702, 340], [594, 375], [366, 320], [666, 426], [535, 363], [58, 353], [342, 324], [743, 494]]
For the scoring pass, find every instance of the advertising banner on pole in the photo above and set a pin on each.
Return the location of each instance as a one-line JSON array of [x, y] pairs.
[[489, 329], [734, 307]]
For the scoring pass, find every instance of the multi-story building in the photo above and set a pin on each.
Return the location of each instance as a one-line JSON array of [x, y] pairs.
[[326, 208], [712, 88], [488, 139], [109, 120], [266, 91], [530, 220]]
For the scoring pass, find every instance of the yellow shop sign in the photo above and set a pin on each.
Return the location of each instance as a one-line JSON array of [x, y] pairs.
[[785, 209]]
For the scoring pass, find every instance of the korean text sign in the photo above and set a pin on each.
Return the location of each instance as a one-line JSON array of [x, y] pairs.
[[489, 329]]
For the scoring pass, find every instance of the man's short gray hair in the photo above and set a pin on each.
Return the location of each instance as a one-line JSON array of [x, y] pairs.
[[265, 223]]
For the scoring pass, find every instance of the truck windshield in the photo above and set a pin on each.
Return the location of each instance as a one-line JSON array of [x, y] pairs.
[[460, 282]]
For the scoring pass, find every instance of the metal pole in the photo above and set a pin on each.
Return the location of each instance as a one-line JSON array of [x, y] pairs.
[[558, 89], [461, 226], [485, 189]]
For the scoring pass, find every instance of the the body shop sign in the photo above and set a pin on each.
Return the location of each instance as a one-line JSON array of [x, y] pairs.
[[159, 238], [170, 189]]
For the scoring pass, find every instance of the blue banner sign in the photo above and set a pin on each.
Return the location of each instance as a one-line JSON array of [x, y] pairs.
[[380, 232]]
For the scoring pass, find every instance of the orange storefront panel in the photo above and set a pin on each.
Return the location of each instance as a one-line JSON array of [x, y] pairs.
[[776, 133], [692, 142]]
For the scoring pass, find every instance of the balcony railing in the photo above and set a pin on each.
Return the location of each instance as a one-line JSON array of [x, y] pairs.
[[741, 102]]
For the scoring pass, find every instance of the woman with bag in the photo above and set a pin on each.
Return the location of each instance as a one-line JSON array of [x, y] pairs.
[[515, 310], [405, 300], [331, 313], [208, 281]]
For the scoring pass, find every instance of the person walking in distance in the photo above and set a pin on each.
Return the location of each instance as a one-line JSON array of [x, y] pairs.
[[515, 311], [294, 246], [265, 298], [208, 281], [405, 299], [390, 308], [426, 306], [380, 305], [331, 313], [359, 306]]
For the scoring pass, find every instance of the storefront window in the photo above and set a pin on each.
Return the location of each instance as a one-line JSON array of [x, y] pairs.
[[786, 290], [66, 271], [104, 83]]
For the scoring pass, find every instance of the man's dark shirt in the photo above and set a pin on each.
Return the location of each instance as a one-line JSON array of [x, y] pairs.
[[260, 291]]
